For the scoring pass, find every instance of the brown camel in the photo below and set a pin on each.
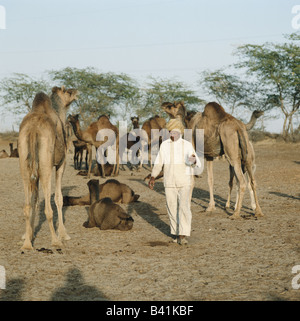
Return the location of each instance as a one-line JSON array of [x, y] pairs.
[[104, 213], [131, 138], [79, 148], [90, 134], [3, 154], [118, 192], [152, 139], [223, 134], [13, 151], [42, 145]]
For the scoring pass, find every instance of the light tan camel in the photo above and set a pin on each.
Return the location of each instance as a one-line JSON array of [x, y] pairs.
[[13, 151], [118, 192], [251, 155], [42, 146], [3, 154], [89, 136], [104, 213], [152, 139], [223, 134]]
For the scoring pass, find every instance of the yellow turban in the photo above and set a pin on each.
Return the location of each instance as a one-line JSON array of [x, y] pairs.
[[175, 124]]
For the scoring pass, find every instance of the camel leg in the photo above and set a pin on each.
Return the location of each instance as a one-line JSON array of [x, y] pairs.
[[230, 184], [27, 245], [258, 211], [210, 179], [62, 233], [241, 185], [46, 185], [89, 147]]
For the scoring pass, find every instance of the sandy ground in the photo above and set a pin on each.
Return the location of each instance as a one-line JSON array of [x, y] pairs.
[[246, 259]]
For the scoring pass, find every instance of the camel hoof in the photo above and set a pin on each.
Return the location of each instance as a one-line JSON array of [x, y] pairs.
[[66, 237], [27, 246], [258, 214], [211, 209]]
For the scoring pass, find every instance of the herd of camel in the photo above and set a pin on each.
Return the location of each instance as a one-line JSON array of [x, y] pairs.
[[42, 145]]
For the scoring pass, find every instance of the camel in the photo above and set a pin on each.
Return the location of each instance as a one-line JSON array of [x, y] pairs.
[[79, 147], [151, 138], [89, 136], [118, 192], [223, 134], [251, 155], [13, 152], [42, 146], [3, 154], [131, 139], [104, 213]]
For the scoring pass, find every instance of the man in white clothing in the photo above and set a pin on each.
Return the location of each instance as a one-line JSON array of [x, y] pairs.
[[178, 157]]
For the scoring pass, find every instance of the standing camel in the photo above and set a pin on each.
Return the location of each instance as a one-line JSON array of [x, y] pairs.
[[223, 134], [129, 138], [153, 139], [42, 146], [89, 136]]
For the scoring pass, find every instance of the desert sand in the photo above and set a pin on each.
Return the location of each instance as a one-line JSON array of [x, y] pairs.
[[245, 259]]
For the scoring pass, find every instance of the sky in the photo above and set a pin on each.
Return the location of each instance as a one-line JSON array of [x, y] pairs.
[[168, 39]]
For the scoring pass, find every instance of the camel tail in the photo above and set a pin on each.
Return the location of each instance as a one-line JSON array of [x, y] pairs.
[[33, 159], [243, 145]]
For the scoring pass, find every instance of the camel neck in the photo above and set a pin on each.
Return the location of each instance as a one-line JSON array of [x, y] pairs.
[[58, 106]]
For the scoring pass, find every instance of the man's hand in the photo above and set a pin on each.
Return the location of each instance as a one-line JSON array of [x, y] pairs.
[[192, 159], [151, 182]]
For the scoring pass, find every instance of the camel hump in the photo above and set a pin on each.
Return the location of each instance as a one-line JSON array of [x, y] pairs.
[[214, 111], [41, 102]]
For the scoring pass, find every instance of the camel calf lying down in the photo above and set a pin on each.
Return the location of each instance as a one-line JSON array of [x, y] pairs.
[[116, 191], [104, 213]]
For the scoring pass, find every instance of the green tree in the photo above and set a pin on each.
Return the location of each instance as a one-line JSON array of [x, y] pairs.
[[160, 90], [277, 69], [100, 93], [17, 93]]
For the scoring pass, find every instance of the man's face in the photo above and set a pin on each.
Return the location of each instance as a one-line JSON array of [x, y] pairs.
[[174, 135]]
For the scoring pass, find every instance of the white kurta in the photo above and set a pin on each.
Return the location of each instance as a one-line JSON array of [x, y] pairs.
[[178, 180]]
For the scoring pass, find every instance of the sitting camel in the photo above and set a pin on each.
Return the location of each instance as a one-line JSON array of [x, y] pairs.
[[3, 154], [90, 134], [118, 192], [104, 213], [42, 146], [223, 134]]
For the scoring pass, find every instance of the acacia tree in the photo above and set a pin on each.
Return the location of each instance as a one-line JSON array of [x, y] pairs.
[[277, 68], [100, 93], [17, 93], [158, 91], [235, 93]]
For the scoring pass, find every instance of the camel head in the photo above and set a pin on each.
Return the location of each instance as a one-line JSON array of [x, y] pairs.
[[135, 121], [174, 110], [67, 96], [257, 113], [73, 119]]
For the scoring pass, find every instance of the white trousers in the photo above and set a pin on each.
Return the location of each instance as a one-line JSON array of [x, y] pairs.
[[178, 201]]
